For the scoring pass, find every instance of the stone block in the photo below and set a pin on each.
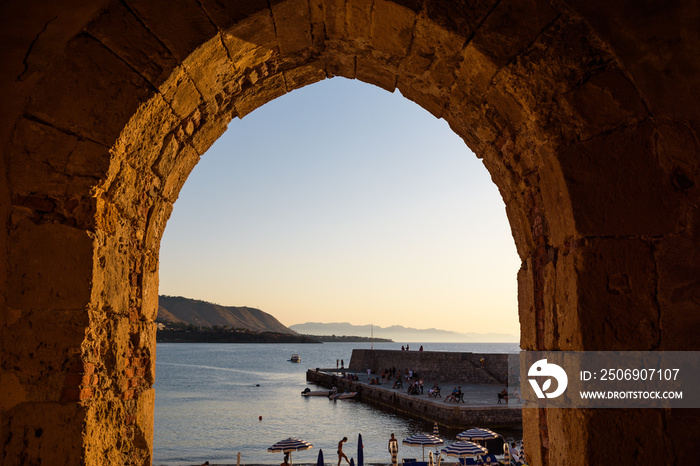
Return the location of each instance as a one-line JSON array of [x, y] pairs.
[[44, 433], [565, 301], [341, 60], [605, 101], [678, 261], [503, 35], [12, 389], [519, 225], [210, 68], [50, 266], [476, 70], [181, 25], [149, 307], [556, 202], [293, 25], [111, 272], [213, 126], [676, 146], [683, 430], [458, 16], [526, 307], [142, 139], [120, 31], [429, 102], [623, 192], [144, 419], [93, 93], [227, 14], [359, 19], [392, 28], [615, 427], [304, 75], [252, 42], [371, 72], [567, 445], [613, 317], [532, 434], [182, 164], [40, 347], [262, 92], [430, 45], [550, 312], [181, 94], [50, 162], [333, 16]]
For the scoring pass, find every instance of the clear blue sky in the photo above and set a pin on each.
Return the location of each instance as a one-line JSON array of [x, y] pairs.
[[341, 202]]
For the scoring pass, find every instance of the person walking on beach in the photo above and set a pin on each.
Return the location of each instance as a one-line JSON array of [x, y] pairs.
[[394, 449], [341, 455]]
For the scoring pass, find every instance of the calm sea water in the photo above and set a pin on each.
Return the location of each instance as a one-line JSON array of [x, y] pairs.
[[209, 398]]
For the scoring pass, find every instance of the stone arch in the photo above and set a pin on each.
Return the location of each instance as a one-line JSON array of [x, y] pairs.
[[588, 130]]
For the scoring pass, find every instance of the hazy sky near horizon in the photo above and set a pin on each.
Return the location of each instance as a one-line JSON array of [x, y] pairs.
[[341, 202]]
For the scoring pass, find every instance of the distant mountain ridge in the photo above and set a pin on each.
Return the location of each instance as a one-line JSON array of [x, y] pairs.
[[401, 333], [176, 309]]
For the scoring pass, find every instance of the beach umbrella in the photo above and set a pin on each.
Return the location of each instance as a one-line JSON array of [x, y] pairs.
[[477, 433], [421, 440], [360, 451], [436, 430], [288, 446], [319, 461], [464, 448], [506, 455]]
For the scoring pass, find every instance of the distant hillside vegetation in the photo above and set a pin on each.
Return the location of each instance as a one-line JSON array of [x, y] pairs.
[[176, 309]]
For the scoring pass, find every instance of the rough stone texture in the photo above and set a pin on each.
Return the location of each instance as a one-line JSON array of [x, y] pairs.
[[584, 112]]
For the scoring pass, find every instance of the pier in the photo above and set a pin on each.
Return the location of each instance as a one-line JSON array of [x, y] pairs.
[[481, 405]]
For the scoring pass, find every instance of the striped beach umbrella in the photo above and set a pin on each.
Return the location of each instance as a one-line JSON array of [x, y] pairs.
[[464, 448], [476, 434], [506, 455], [288, 446], [421, 440], [436, 430]]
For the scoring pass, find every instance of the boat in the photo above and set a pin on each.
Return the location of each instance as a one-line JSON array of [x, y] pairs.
[[342, 396], [307, 392], [295, 358]]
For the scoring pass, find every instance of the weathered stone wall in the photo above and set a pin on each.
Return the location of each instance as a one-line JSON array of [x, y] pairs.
[[584, 112], [455, 417], [441, 366]]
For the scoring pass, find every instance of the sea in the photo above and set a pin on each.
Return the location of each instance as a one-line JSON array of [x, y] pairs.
[[215, 400]]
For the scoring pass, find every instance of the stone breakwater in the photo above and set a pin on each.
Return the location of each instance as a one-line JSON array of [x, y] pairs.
[[441, 366], [450, 369]]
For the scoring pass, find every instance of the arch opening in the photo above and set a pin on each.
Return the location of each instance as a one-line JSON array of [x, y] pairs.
[[595, 158]]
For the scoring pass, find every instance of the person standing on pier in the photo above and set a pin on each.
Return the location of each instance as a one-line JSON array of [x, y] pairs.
[[394, 449], [342, 455]]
